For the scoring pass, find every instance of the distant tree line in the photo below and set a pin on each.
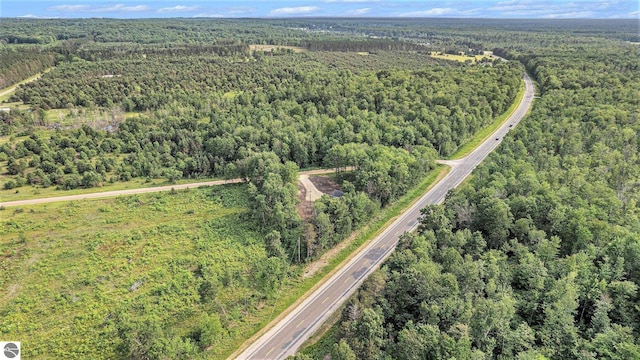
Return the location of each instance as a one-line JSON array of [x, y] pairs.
[[369, 45]]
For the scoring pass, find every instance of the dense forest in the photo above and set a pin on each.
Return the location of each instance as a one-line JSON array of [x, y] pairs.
[[15, 66], [538, 256]]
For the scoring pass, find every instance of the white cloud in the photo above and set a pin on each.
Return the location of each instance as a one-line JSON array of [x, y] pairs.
[[570, 15], [300, 10], [432, 12], [524, 8], [471, 12], [635, 13], [31, 16], [178, 8], [239, 10], [89, 8], [226, 12], [518, 6], [558, 9], [123, 8], [69, 8], [357, 12], [605, 5], [351, 1]]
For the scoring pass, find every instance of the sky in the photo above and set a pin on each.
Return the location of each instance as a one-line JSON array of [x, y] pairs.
[[543, 9]]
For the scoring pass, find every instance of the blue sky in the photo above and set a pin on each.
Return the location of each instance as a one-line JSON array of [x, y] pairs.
[[331, 8]]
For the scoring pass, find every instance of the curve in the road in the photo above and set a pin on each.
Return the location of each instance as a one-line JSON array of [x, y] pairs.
[[284, 338]]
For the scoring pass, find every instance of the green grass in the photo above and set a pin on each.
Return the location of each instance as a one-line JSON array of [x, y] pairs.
[[28, 192], [295, 293], [57, 116], [230, 95], [12, 105], [132, 114], [487, 131], [67, 268], [36, 192]]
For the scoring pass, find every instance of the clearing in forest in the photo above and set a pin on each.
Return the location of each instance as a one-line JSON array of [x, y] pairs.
[[462, 58], [270, 48]]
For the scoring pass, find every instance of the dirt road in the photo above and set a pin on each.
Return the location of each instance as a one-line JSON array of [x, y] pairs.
[[104, 194], [312, 193], [13, 88]]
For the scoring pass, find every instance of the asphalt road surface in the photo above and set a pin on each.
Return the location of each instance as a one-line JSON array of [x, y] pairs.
[[284, 338]]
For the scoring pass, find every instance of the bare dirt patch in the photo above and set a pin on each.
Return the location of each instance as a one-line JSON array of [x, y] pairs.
[[308, 189], [312, 191], [305, 208], [325, 184]]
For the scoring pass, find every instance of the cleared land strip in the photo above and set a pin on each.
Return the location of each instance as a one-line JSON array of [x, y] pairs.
[[285, 337], [12, 88], [313, 193], [141, 190], [117, 193]]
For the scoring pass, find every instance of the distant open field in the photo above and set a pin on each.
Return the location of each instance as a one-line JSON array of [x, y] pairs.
[[461, 58], [268, 48]]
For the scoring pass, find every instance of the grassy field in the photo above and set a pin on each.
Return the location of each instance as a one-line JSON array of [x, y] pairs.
[[72, 118], [460, 58], [486, 132], [68, 268], [268, 48], [35, 192]]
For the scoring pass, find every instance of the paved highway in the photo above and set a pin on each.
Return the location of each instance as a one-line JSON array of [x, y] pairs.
[[284, 338]]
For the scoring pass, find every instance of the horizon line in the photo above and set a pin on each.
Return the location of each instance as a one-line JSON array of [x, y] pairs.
[[314, 17]]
